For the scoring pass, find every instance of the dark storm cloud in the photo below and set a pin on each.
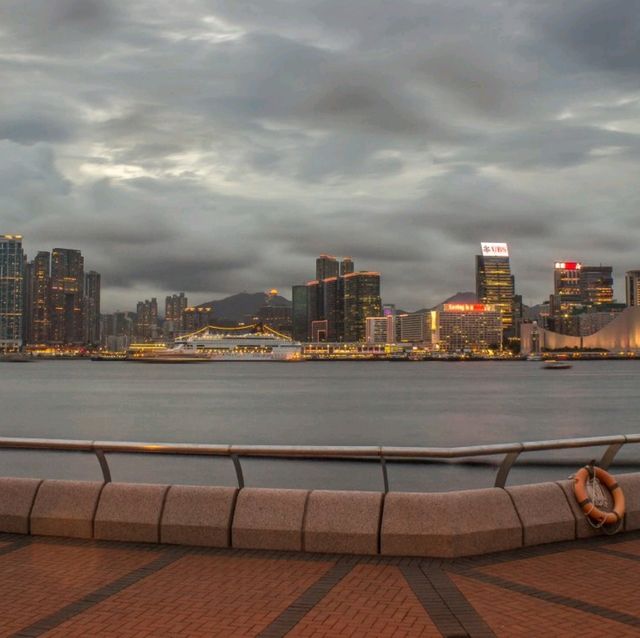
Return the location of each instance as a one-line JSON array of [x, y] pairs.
[[216, 146]]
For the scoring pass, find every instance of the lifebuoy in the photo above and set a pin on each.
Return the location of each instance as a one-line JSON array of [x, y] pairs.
[[595, 514]]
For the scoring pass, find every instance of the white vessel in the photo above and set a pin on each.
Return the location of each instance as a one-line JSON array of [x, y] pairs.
[[210, 345]]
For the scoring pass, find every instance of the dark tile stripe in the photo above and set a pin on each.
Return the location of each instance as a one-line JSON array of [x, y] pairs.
[[15, 545], [86, 602], [615, 552], [429, 597], [565, 601], [293, 614]]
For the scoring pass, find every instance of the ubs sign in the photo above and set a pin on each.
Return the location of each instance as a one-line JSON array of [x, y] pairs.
[[494, 250]]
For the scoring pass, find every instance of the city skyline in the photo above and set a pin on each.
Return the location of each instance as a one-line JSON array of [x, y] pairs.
[[223, 143]]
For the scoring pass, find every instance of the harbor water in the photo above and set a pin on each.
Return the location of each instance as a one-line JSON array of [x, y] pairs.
[[315, 403]]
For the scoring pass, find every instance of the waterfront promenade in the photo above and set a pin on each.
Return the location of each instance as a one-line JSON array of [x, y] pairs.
[[77, 588]]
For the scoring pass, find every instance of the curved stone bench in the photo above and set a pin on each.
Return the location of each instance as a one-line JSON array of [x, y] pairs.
[[449, 524]]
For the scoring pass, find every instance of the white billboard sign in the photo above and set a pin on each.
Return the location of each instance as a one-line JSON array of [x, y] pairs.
[[494, 250]]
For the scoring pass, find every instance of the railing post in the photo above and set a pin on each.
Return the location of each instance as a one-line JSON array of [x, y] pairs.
[[104, 465], [505, 467], [385, 476], [610, 454], [239, 475]]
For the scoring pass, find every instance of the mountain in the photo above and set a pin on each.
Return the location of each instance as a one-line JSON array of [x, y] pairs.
[[238, 307], [459, 297]]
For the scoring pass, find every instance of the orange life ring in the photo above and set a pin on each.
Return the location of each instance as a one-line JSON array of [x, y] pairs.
[[589, 509]]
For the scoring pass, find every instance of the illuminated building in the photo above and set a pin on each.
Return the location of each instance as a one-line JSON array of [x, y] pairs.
[[632, 287], [467, 328], [361, 300], [11, 292], [174, 306], [39, 282], [596, 284], [346, 266], [380, 329], [412, 328], [319, 330], [196, 317], [67, 297], [300, 312], [92, 308], [494, 282], [326, 266], [276, 313], [146, 327]]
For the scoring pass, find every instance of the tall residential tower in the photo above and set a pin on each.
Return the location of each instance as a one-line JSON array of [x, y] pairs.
[[11, 292]]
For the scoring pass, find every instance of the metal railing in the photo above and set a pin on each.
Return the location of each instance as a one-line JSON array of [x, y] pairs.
[[511, 451]]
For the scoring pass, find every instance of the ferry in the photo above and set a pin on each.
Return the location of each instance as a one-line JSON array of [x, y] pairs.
[[209, 346]]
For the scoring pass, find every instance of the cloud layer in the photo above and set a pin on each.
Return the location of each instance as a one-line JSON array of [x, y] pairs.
[[215, 146]]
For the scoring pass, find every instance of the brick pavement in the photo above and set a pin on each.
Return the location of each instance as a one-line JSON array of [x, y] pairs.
[[72, 588]]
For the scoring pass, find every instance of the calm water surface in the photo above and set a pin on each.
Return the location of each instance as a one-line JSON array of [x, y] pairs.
[[345, 403]]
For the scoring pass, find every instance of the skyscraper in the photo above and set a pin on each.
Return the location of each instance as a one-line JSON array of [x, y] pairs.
[[174, 307], [326, 266], [632, 287], [361, 300], [39, 282], [596, 284], [494, 281], [346, 266], [300, 312], [67, 296], [11, 292], [147, 319], [92, 308]]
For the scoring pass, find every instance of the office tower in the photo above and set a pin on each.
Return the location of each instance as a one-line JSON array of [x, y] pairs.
[[567, 299], [326, 266], [300, 312], [361, 300], [346, 266], [596, 286], [92, 308], [632, 287], [147, 320], [39, 328], [494, 281], [12, 293], [67, 297]]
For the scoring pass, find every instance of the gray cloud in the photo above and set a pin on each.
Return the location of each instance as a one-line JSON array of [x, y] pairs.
[[216, 146]]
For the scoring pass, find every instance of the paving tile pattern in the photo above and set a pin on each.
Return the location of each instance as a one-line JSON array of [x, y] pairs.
[[71, 588]]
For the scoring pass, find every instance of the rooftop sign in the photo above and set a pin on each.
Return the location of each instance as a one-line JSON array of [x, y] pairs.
[[568, 265], [494, 250], [468, 307]]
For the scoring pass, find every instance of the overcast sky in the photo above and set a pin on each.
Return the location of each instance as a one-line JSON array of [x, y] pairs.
[[219, 146]]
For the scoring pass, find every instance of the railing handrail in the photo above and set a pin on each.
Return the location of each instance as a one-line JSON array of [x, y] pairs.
[[511, 450]]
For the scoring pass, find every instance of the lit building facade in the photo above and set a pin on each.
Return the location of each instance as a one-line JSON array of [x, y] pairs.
[[380, 329], [327, 266], [39, 282], [197, 317], [174, 306], [299, 312], [495, 283], [92, 308], [412, 328], [596, 284], [12, 292], [146, 328], [471, 328], [67, 297], [361, 300], [632, 287]]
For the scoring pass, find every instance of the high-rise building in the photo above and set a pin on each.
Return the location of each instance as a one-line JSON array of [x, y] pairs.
[[567, 300], [12, 293], [196, 317], [67, 297], [495, 283], [147, 320], [632, 287], [412, 328], [300, 312], [380, 329], [174, 307], [39, 282], [361, 300], [326, 266], [346, 266], [92, 308], [596, 284]]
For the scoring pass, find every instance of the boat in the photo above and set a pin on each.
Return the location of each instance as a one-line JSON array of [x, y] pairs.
[[553, 364], [535, 357], [111, 356], [209, 345]]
